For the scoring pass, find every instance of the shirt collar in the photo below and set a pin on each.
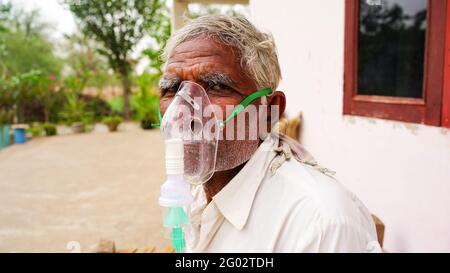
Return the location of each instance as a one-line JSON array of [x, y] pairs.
[[235, 200]]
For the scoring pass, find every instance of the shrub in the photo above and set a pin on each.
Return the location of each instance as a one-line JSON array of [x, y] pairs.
[[112, 122], [35, 131], [74, 110], [50, 129]]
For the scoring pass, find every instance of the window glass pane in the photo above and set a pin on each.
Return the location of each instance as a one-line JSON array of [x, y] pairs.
[[392, 47]]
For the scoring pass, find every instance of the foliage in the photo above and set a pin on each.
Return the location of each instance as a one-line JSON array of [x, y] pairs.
[[116, 104], [6, 116], [112, 122], [25, 48], [85, 64], [146, 102], [23, 87], [50, 129], [96, 107], [6, 103], [117, 25], [161, 34], [35, 131], [74, 109], [34, 96], [4, 14]]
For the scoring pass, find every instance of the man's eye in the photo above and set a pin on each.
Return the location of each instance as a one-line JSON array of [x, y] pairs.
[[222, 90], [168, 92], [220, 87]]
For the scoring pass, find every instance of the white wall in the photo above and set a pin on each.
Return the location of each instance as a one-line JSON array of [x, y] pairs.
[[401, 171]]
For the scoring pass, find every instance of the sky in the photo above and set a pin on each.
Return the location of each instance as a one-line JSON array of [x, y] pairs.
[[53, 12]]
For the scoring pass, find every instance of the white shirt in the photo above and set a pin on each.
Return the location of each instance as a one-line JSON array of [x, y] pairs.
[[296, 209]]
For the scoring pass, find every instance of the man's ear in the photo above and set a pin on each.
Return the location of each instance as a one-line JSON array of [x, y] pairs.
[[277, 98]]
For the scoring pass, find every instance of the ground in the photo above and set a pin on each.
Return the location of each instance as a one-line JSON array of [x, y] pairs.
[[60, 192]]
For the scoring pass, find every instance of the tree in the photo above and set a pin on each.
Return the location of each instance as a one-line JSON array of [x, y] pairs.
[[23, 53], [31, 22], [118, 26], [23, 45], [4, 14], [85, 64], [161, 34]]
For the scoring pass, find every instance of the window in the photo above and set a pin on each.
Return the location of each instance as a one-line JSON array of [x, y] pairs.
[[394, 60]]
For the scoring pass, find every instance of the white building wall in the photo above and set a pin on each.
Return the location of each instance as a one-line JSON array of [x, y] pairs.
[[401, 171]]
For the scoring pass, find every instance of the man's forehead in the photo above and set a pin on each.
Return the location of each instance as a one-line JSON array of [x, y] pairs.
[[203, 48], [200, 55]]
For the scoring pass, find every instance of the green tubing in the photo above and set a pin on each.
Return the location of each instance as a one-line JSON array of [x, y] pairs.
[[175, 219], [178, 241]]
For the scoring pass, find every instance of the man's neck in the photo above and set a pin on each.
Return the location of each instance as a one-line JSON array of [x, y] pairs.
[[220, 180]]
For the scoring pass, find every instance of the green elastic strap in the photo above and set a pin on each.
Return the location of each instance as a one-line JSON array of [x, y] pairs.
[[241, 106], [160, 118]]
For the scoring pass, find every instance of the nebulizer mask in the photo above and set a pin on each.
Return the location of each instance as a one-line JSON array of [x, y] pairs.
[[190, 129]]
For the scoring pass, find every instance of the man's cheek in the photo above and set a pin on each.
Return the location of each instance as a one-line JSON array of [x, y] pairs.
[[163, 106]]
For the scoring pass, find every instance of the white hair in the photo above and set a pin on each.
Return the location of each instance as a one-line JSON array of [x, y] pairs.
[[256, 49]]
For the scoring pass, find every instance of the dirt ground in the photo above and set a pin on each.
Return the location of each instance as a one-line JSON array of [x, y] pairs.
[[65, 193]]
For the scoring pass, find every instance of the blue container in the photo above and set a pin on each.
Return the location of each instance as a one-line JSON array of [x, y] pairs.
[[20, 136], [4, 136]]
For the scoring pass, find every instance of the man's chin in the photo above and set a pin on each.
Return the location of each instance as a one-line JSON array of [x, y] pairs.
[[232, 154]]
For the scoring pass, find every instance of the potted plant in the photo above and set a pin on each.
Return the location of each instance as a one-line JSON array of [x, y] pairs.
[[112, 122], [74, 112], [49, 129], [35, 130]]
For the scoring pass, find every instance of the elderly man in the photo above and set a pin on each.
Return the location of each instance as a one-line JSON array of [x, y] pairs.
[[266, 194]]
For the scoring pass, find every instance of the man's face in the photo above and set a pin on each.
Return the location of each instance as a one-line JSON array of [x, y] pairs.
[[217, 68]]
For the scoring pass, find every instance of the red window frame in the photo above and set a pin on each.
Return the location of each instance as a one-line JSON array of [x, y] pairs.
[[446, 97], [427, 110]]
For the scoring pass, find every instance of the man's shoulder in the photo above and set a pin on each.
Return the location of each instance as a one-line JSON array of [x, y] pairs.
[[307, 184]]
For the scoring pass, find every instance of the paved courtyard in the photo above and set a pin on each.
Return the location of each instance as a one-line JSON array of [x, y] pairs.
[[56, 192]]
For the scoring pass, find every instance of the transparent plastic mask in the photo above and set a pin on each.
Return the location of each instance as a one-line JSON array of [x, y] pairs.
[[186, 119]]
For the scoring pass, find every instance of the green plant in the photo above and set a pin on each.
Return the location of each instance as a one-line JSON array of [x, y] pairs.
[[35, 130], [23, 87], [74, 109], [116, 104], [50, 129], [112, 122], [145, 103], [6, 116], [6, 102], [96, 107]]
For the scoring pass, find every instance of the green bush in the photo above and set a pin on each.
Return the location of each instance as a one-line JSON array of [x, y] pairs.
[[35, 131], [74, 109], [50, 129], [145, 103], [6, 103], [6, 116], [116, 104], [112, 122]]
